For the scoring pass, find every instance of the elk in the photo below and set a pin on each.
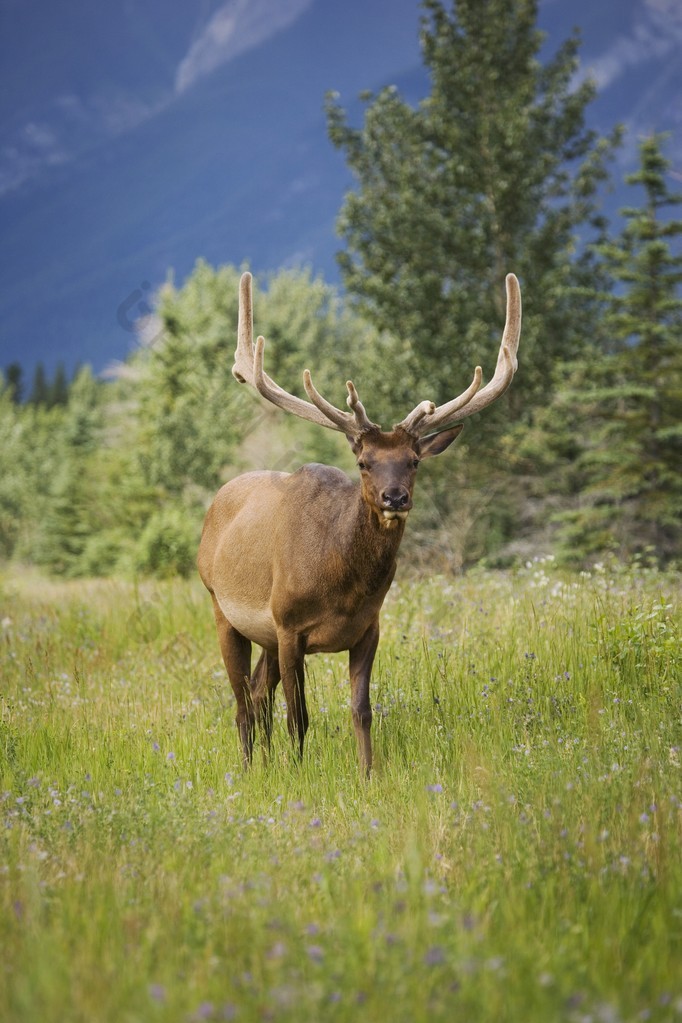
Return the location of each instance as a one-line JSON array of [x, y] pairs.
[[300, 563]]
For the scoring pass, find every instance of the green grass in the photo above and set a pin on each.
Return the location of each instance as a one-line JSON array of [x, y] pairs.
[[517, 854]]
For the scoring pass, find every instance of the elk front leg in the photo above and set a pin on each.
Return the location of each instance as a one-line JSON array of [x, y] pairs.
[[292, 667], [236, 651], [361, 659]]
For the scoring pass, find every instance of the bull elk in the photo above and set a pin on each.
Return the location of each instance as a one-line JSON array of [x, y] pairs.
[[300, 563]]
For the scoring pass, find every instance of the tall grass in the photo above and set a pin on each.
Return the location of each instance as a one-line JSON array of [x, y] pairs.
[[516, 855]]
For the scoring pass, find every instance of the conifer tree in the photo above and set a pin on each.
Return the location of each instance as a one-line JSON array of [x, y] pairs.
[[58, 391], [40, 390], [72, 514], [14, 375], [617, 420]]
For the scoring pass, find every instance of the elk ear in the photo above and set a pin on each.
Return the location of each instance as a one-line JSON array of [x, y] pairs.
[[430, 446], [355, 443]]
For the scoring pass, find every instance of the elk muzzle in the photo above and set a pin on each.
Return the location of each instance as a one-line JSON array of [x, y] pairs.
[[396, 502]]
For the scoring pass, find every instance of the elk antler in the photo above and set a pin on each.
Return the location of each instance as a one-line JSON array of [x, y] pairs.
[[248, 369], [426, 418]]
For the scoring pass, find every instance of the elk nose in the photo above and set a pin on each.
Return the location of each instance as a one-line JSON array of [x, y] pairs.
[[395, 498]]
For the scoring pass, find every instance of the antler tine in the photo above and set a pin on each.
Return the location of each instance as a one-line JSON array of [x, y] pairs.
[[248, 369], [426, 416], [423, 420], [243, 357], [364, 423], [352, 423]]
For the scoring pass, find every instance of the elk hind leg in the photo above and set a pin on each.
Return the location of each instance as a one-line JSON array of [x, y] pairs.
[[236, 651], [264, 681], [292, 666]]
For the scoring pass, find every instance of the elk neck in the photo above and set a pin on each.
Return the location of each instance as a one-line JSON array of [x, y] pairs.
[[371, 546]]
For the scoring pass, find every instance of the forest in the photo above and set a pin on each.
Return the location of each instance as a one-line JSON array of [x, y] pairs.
[[111, 474]]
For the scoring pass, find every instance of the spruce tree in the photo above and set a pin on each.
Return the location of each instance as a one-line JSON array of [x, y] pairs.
[[622, 407]]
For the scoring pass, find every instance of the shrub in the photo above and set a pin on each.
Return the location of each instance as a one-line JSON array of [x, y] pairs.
[[168, 544]]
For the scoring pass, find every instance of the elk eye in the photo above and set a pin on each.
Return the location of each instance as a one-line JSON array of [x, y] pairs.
[[415, 463], [362, 465]]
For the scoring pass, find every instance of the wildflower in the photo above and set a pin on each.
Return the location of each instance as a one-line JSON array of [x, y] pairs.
[[315, 953], [205, 1011], [157, 992], [434, 956], [434, 788], [170, 755]]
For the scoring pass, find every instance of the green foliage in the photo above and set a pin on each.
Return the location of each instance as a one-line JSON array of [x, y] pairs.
[[168, 544], [117, 479], [611, 438], [71, 511], [30, 454], [189, 414], [517, 854]]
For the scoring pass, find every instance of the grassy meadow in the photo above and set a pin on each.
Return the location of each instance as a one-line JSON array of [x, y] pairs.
[[517, 854]]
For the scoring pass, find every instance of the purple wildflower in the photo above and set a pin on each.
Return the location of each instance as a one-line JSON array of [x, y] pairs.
[[434, 956]]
